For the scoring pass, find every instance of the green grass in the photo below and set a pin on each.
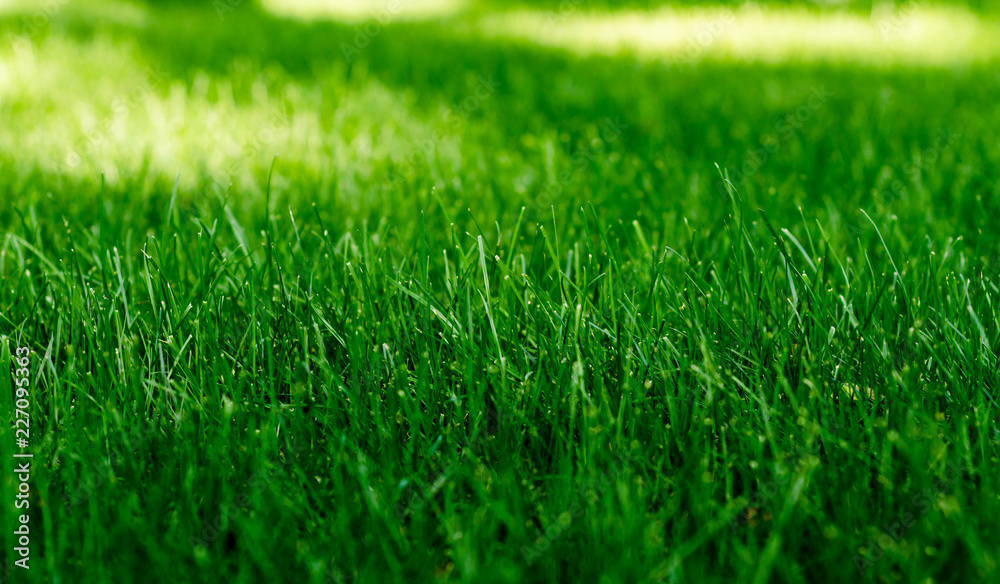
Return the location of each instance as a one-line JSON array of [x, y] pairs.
[[440, 340]]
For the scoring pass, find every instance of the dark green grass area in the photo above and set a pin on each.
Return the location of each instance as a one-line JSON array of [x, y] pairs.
[[571, 352]]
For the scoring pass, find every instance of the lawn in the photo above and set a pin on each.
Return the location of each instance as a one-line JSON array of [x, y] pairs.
[[496, 292]]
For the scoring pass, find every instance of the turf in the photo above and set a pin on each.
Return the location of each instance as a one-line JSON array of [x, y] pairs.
[[467, 309]]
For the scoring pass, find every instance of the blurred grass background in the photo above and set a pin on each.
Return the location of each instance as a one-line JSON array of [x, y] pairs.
[[444, 121], [232, 89]]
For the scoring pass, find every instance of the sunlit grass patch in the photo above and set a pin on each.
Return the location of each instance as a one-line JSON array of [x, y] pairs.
[[356, 11], [100, 107], [33, 19], [911, 35]]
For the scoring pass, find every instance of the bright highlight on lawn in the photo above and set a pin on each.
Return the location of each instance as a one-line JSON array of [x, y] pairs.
[[913, 34]]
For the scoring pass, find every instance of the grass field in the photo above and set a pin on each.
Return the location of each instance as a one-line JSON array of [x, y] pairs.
[[458, 292]]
